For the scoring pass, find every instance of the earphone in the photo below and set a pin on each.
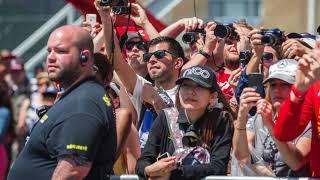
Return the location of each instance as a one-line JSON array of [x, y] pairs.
[[83, 57]]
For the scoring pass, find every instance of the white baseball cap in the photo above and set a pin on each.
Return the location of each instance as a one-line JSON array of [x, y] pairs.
[[284, 69]]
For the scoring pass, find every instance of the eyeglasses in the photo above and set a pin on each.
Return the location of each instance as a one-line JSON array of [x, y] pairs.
[[139, 44], [157, 54]]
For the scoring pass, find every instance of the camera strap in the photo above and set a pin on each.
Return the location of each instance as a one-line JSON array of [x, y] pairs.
[[175, 133]]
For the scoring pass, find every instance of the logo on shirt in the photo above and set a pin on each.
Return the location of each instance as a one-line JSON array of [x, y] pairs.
[[106, 100], [77, 147], [44, 118]]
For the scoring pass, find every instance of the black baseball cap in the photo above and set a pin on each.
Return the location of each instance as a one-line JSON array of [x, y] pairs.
[[202, 75]]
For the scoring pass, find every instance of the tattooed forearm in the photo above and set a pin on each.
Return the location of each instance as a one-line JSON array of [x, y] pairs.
[[71, 168]]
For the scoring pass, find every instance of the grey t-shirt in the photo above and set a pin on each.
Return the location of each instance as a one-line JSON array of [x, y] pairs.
[[266, 149]]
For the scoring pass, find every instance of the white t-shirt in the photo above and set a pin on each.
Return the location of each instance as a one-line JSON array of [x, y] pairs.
[[136, 97]]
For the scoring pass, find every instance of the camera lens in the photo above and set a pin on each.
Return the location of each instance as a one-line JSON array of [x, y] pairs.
[[105, 2], [189, 37], [221, 31], [268, 39]]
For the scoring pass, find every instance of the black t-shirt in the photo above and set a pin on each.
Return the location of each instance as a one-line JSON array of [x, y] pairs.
[[82, 124]]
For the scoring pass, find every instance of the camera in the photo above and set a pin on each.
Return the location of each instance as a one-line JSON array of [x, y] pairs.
[[244, 57], [190, 138], [272, 37], [191, 37], [226, 31], [120, 10], [113, 2]]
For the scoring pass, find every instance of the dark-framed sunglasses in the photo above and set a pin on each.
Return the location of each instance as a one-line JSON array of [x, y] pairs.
[[267, 57], [157, 54], [139, 44]]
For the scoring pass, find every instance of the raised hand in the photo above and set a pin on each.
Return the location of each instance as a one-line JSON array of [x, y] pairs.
[[292, 48]]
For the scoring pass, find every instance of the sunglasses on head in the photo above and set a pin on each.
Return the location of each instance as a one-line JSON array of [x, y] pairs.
[[157, 54], [138, 44]]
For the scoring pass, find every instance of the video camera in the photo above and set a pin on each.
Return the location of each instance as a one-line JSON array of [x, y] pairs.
[[226, 31], [191, 37], [119, 7], [272, 37]]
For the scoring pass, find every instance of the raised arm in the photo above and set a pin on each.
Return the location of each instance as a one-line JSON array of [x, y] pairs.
[[258, 48], [126, 74], [185, 24], [141, 19]]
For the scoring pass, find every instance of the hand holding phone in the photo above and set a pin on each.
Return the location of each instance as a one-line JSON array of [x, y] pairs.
[[91, 19], [164, 155]]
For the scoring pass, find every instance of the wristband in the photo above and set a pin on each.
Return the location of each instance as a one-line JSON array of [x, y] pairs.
[[299, 95], [203, 53]]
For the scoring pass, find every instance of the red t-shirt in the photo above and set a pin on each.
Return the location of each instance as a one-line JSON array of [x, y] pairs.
[[293, 118], [222, 79]]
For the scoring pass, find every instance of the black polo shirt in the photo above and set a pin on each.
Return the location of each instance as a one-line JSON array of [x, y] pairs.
[[81, 123]]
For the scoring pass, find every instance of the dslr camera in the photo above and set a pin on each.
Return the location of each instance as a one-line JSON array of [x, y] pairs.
[[119, 7], [226, 31], [191, 37], [272, 37]]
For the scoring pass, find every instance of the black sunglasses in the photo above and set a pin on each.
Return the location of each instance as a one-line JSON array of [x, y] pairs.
[[266, 56], [157, 54], [139, 44]]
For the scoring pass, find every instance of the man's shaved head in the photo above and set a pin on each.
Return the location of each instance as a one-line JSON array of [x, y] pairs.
[[80, 37]]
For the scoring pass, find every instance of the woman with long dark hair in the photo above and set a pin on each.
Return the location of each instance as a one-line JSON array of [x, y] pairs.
[[192, 140]]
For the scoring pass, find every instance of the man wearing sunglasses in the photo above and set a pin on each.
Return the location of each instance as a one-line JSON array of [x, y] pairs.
[[135, 47], [164, 60]]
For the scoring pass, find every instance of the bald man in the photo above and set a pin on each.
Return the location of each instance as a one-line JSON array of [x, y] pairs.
[[76, 138]]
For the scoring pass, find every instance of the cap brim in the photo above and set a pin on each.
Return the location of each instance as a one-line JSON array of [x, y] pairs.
[[201, 83], [282, 77]]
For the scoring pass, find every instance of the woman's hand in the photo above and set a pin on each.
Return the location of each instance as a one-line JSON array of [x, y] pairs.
[[264, 108], [161, 168], [248, 99]]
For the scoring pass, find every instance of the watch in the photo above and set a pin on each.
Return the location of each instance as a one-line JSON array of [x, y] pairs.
[[205, 54], [299, 95]]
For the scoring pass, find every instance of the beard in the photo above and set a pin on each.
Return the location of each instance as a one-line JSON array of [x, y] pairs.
[[232, 62]]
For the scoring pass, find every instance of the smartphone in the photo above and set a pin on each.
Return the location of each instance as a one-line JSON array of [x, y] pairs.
[[164, 155], [255, 80], [91, 19]]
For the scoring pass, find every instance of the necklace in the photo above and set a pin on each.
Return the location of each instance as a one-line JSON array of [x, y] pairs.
[[185, 112]]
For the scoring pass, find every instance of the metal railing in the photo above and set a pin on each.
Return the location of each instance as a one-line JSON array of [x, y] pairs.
[[135, 177], [67, 13]]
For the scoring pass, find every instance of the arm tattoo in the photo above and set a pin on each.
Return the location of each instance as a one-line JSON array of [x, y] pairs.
[[71, 168]]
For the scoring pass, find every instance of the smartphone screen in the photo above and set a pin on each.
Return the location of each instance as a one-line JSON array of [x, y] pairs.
[[91, 19], [255, 80]]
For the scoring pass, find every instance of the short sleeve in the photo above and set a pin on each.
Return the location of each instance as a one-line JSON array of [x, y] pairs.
[[77, 135]]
